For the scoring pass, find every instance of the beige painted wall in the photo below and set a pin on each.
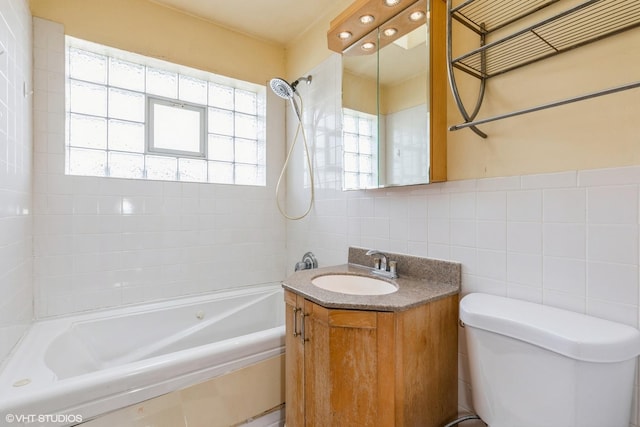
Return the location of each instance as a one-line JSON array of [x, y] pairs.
[[310, 48], [150, 29], [597, 133], [406, 94], [359, 93]]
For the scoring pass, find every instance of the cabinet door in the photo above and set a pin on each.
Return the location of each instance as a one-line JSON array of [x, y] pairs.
[[341, 368], [294, 361], [317, 367]]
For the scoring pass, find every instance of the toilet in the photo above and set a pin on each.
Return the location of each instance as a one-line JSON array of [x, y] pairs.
[[539, 366]]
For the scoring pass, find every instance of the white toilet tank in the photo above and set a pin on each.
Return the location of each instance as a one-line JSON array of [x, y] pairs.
[[539, 366]]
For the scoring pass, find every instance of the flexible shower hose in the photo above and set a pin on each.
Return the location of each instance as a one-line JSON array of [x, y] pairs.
[[299, 130]]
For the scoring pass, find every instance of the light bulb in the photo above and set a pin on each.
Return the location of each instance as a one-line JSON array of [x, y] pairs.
[[416, 16], [391, 2], [368, 45], [344, 35], [389, 32], [367, 19]]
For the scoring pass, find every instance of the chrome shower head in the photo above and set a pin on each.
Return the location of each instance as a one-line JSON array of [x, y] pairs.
[[285, 90], [281, 88]]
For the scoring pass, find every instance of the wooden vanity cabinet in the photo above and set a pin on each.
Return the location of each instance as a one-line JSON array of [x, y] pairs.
[[370, 368]]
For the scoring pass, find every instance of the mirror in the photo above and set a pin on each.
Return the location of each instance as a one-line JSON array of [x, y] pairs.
[[388, 107]]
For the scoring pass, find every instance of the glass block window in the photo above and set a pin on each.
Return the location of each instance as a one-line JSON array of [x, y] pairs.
[[130, 116], [360, 150]]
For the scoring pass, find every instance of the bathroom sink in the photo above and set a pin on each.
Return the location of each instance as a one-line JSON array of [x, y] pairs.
[[354, 285]]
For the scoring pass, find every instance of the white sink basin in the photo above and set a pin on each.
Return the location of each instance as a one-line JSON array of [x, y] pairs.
[[354, 285]]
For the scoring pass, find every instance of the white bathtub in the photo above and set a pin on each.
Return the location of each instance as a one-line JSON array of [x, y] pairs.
[[90, 364]]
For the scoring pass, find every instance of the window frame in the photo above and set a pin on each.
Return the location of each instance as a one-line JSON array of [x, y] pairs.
[[150, 147]]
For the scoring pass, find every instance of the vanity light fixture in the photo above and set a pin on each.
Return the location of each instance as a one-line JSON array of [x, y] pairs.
[[368, 45], [416, 16], [363, 17], [389, 32], [367, 19]]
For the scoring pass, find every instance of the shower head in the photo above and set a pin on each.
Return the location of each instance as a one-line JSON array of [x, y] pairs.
[[281, 88], [285, 90]]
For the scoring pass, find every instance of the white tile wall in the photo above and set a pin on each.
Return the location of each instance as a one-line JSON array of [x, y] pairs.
[[566, 239], [102, 242], [16, 309]]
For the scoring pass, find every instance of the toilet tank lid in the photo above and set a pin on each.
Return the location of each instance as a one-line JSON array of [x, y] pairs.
[[571, 334]]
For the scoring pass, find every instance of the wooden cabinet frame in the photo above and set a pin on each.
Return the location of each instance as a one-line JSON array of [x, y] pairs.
[[369, 368]]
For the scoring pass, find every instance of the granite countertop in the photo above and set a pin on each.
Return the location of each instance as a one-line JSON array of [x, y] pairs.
[[438, 279]]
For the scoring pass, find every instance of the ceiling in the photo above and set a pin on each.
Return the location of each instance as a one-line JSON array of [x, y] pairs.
[[278, 21]]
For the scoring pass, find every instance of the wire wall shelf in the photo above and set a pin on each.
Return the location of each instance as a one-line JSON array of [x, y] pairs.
[[584, 23]]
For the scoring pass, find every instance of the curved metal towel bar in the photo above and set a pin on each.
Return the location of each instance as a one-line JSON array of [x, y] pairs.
[[473, 124]]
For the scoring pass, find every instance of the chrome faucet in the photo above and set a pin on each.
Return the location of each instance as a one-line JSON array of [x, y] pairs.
[[381, 269], [383, 259]]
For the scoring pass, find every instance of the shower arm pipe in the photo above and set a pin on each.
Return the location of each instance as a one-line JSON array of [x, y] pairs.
[[306, 79], [299, 129]]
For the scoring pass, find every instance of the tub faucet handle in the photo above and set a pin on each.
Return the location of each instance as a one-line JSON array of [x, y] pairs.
[[308, 262]]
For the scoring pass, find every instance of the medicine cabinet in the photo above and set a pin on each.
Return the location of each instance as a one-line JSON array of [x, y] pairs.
[[394, 92]]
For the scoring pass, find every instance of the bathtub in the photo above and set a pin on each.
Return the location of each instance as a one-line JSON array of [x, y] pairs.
[[74, 368]]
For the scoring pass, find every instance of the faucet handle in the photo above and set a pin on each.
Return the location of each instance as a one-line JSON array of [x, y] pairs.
[[393, 267]]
